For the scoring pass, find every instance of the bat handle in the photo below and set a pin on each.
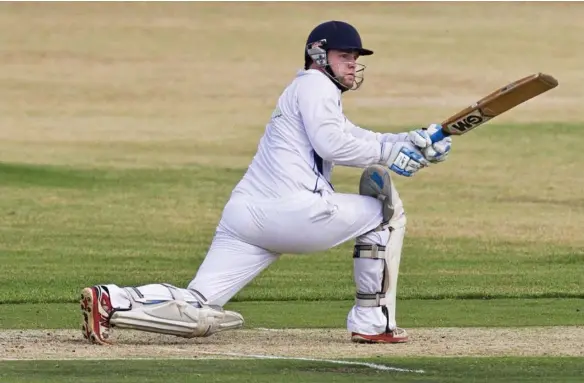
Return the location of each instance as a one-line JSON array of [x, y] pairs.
[[439, 135]]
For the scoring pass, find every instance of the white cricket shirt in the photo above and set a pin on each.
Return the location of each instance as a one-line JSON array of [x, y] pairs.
[[306, 136]]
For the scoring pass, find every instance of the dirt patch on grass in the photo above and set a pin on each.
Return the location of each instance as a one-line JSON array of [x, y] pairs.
[[311, 343]]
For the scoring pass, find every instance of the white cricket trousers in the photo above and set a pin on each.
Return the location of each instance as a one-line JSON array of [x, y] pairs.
[[253, 233]]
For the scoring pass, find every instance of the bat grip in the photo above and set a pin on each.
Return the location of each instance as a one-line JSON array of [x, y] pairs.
[[439, 135]]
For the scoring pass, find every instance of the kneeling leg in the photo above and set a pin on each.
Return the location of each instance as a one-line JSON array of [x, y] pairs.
[[157, 308], [161, 308]]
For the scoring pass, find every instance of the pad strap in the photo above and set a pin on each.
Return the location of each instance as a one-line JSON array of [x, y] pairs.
[[176, 294], [372, 299], [369, 251]]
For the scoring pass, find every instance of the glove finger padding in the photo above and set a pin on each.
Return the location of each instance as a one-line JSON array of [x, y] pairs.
[[430, 153], [443, 146], [438, 151], [420, 138]]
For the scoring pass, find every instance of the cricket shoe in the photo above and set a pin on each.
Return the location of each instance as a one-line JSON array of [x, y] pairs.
[[96, 309], [398, 335]]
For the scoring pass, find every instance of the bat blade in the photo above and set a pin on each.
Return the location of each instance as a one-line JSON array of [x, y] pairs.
[[496, 103]]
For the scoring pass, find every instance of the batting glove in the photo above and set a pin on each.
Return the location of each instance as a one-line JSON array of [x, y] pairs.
[[405, 159], [433, 152]]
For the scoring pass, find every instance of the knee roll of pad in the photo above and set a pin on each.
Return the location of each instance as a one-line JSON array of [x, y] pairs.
[[376, 182], [372, 298]]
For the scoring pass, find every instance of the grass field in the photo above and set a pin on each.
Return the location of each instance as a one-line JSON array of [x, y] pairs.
[[124, 127]]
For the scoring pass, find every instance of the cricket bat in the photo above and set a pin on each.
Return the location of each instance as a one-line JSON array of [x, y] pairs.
[[494, 104]]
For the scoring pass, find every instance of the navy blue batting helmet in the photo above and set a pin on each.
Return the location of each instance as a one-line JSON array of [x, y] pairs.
[[337, 35]]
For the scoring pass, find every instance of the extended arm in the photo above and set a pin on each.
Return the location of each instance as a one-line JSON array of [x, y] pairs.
[[433, 152], [370, 135], [324, 123]]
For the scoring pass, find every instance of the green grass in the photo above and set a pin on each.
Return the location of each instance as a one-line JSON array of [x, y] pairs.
[[118, 150], [332, 314], [487, 252], [64, 228], [434, 370], [53, 268]]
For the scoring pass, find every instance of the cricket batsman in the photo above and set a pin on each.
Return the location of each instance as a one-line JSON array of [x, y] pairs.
[[286, 203]]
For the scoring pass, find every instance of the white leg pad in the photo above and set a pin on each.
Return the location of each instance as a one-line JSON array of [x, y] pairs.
[[393, 259], [178, 318], [376, 275], [371, 275]]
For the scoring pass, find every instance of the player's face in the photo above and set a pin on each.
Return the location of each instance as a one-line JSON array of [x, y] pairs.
[[345, 67]]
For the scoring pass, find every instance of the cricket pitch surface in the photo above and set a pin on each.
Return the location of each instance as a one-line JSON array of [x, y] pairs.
[[294, 343]]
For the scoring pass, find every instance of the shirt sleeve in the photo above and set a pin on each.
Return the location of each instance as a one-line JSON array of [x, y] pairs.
[[319, 106], [394, 137], [361, 133], [374, 136]]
